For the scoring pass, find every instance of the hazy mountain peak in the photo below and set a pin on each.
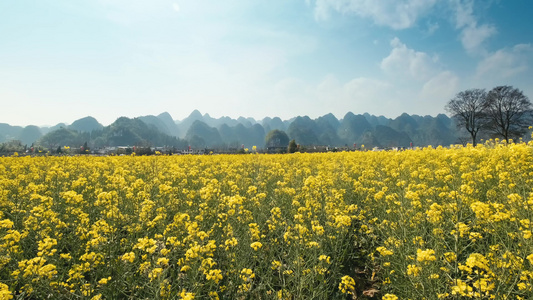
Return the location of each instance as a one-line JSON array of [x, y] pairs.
[[165, 115], [348, 115], [86, 124], [203, 130], [195, 114]]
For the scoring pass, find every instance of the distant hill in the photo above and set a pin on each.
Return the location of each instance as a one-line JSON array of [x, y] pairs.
[[26, 135], [47, 129], [385, 137], [203, 131], [157, 123], [304, 130], [270, 124], [61, 137], [372, 131], [134, 132], [86, 124], [122, 132], [201, 135], [196, 115], [29, 134], [374, 121], [173, 129], [8, 132], [188, 121], [352, 128]]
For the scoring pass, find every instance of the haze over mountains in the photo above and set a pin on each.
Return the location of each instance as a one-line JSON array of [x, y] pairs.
[[203, 131]]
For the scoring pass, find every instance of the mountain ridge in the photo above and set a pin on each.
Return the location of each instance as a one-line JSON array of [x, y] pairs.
[[203, 131]]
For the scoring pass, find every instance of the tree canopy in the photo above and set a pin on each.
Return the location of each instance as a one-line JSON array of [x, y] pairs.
[[508, 112], [468, 109], [504, 112], [276, 138]]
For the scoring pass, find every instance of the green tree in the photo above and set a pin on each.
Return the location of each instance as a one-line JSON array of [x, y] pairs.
[[58, 138], [292, 146], [11, 146], [276, 138]]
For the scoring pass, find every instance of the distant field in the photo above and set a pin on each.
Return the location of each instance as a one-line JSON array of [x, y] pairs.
[[417, 224]]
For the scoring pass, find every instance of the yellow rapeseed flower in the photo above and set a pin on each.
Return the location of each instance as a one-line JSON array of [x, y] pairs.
[[129, 257], [384, 251], [425, 255], [4, 292], [390, 297], [413, 270], [256, 245], [214, 275], [347, 285]]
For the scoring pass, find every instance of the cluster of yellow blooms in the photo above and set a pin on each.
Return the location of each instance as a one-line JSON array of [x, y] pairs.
[[173, 227], [455, 223], [444, 223]]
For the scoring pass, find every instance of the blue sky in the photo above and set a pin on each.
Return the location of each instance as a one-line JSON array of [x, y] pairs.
[[63, 60]]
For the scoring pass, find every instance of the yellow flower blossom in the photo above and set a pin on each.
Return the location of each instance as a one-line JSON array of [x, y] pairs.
[[184, 295], [530, 258], [256, 245], [325, 258], [104, 280], [390, 297], [450, 256], [425, 255], [413, 270], [347, 285], [214, 275], [155, 273], [247, 274], [162, 261], [434, 223], [129, 257], [384, 251], [276, 265], [4, 292]]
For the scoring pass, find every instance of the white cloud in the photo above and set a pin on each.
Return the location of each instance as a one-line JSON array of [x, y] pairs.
[[403, 61], [420, 80], [397, 14], [441, 87], [464, 13], [506, 63], [473, 37], [403, 14], [472, 34]]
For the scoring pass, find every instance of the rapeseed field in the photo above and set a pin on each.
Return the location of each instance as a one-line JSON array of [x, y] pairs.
[[443, 223]]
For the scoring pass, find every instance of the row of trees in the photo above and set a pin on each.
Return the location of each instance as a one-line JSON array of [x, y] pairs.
[[502, 112]]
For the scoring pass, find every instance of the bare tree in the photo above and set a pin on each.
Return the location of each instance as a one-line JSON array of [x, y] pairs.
[[508, 112], [467, 109]]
